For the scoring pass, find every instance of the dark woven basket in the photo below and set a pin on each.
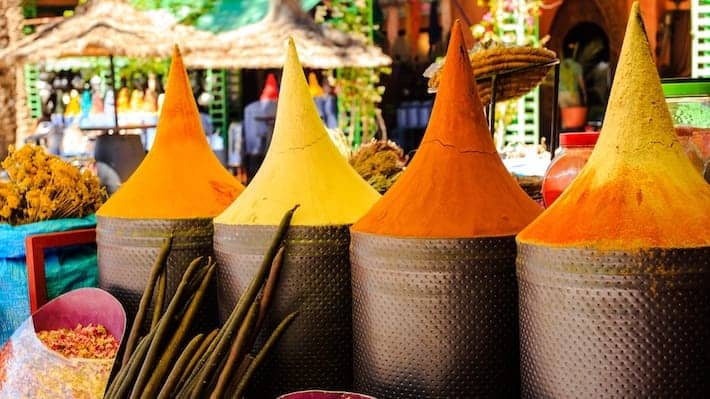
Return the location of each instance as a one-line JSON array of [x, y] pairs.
[[434, 318], [127, 249], [316, 349], [614, 324]]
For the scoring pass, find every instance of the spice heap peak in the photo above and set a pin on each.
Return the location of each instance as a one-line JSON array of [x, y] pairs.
[[180, 177], [456, 185], [639, 189]]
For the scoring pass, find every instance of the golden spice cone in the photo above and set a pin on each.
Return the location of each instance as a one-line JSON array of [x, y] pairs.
[[302, 166]]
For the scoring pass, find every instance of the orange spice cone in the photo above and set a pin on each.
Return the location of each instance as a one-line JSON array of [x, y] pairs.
[[433, 262], [639, 189], [175, 192], [180, 176], [313, 86], [615, 276]]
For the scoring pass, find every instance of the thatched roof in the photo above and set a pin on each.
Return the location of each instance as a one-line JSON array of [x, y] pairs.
[[108, 27], [263, 44]]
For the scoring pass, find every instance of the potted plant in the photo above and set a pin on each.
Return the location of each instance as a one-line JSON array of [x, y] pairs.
[[572, 96]]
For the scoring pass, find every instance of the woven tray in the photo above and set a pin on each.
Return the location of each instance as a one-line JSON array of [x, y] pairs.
[[532, 185], [614, 324], [316, 350], [518, 70], [434, 318], [127, 249]]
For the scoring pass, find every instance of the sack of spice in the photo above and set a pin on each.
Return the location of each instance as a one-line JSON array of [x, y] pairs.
[[66, 349]]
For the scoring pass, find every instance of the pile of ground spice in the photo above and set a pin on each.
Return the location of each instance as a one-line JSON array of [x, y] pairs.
[[639, 189], [92, 341], [302, 166], [456, 184], [180, 176]]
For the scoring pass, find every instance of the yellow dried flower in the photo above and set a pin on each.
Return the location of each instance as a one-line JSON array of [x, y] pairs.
[[43, 186]]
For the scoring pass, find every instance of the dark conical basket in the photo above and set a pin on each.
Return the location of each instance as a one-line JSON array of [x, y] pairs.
[[316, 349], [434, 318], [615, 323], [127, 249]]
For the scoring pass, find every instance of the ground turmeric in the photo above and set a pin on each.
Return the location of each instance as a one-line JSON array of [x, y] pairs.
[[639, 189], [180, 177], [302, 166], [456, 185]]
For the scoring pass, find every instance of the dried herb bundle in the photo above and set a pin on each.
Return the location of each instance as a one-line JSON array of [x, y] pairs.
[[43, 186]]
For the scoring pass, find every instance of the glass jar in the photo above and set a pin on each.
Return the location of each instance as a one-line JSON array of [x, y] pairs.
[[575, 149]]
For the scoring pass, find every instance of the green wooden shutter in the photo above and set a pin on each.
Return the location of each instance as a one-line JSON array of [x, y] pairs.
[[525, 127], [700, 38], [34, 101], [217, 87]]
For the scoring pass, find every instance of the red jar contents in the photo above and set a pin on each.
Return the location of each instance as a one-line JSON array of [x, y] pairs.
[[575, 149]]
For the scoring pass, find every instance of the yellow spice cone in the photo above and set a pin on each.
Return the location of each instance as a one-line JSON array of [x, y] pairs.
[[639, 189], [180, 177], [302, 166]]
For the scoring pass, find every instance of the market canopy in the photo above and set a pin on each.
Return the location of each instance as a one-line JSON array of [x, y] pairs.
[[233, 14], [261, 45], [108, 28]]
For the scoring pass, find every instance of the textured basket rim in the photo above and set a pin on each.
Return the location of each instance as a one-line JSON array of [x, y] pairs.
[[417, 238], [98, 217], [360, 395], [273, 225], [636, 251]]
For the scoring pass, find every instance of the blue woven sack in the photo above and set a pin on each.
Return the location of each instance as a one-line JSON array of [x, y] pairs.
[[66, 268]]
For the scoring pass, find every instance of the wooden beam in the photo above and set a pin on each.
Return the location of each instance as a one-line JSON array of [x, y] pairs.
[[57, 3], [40, 21]]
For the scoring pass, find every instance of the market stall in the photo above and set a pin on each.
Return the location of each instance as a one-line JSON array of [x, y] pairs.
[[452, 284], [108, 28]]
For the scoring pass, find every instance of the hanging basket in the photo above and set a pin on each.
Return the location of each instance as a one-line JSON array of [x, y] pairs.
[[614, 323], [517, 70], [127, 249], [434, 318], [316, 350]]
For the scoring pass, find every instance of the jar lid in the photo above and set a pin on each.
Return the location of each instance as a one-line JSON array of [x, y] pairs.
[[579, 138]]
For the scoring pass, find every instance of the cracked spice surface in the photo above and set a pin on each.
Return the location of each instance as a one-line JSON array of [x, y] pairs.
[[638, 189], [456, 185]]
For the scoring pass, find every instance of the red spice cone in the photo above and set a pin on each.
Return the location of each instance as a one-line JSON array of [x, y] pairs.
[[456, 185], [271, 89]]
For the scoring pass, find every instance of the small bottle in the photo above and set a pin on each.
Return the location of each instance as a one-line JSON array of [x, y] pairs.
[[575, 149]]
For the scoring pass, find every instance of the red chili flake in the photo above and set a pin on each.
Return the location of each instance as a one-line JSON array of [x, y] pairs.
[[88, 342]]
